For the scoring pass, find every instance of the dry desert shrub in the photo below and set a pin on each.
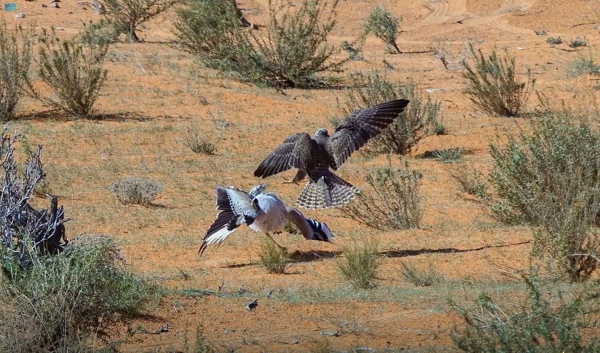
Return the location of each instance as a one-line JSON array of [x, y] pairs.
[[420, 118], [420, 278], [74, 72], [292, 52], [134, 190], [494, 85], [392, 200], [125, 16], [384, 26], [15, 60]]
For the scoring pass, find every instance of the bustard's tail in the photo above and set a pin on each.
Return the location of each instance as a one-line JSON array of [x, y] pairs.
[[329, 191]]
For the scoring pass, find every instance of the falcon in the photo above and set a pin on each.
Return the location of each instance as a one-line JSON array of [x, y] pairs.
[[315, 156], [262, 212]]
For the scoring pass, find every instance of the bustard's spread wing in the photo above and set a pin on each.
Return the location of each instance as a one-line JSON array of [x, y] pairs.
[[236, 208], [356, 129], [294, 152]]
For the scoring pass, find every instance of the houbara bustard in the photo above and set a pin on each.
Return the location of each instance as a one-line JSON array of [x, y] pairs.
[[313, 156], [262, 212]]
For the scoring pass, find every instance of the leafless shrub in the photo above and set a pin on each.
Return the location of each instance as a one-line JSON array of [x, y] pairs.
[[127, 15]]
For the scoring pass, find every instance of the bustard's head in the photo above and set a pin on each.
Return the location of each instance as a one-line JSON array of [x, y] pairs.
[[257, 190], [322, 132]]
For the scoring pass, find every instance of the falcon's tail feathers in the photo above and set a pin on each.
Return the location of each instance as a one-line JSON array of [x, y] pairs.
[[329, 191]]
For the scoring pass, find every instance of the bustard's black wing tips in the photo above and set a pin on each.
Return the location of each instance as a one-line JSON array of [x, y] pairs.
[[356, 129], [236, 209], [290, 154]]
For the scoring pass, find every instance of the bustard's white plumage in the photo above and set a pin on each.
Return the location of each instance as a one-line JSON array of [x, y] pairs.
[[262, 212]]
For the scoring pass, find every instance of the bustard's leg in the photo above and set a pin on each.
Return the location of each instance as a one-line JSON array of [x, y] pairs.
[[274, 242]]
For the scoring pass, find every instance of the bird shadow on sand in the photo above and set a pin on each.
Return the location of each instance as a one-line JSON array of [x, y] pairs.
[[296, 257]]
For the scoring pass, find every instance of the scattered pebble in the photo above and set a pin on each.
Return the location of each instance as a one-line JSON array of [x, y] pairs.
[[20, 15], [54, 5]]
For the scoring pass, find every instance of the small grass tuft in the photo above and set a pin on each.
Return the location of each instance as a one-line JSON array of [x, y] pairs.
[[273, 258], [418, 277], [134, 190], [471, 181], [194, 140], [554, 40], [449, 155], [360, 263], [578, 42]]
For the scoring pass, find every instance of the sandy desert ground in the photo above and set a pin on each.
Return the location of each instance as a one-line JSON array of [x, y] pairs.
[[155, 93]]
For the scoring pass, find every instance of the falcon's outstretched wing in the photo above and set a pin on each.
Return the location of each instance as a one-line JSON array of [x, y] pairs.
[[294, 152], [236, 208], [356, 129]]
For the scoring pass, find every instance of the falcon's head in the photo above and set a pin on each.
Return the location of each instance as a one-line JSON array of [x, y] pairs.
[[322, 132]]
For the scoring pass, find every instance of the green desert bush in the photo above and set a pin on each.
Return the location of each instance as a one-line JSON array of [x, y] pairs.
[[273, 258], [126, 15], [546, 321], [549, 179], [578, 42], [449, 155], [74, 72], [494, 85], [583, 65], [554, 40], [292, 52], [384, 26], [360, 263], [60, 303], [420, 118], [392, 200], [134, 190], [15, 60]]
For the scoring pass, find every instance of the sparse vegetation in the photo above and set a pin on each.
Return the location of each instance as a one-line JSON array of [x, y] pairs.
[[471, 181], [493, 84], [272, 257], [292, 54], [384, 26], [194, 140], [73, 70], [134, 190], [548, 320], [554, 40], [549, 179], [392, 200], [57, 303], [578, 42], [420, 278], [583, 65], [126, 15], [449, 155], [360, 263], [418, 120], [15, 60]]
